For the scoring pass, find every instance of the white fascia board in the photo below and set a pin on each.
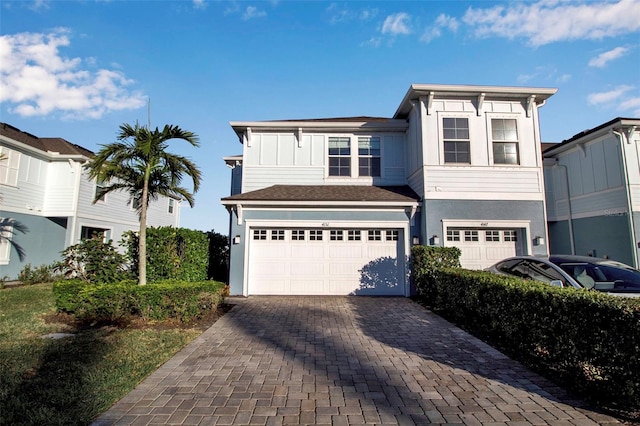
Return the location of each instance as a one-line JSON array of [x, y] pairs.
[[472, 92], [590, 135], [250, 203], [48, 155], [390, 125]]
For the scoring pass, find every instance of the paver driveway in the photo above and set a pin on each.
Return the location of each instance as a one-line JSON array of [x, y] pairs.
[[343, 360]]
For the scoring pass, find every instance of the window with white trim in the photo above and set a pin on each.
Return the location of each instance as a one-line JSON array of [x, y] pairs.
[[89, 232], [504, 135], [391, 235], [336, 235], [510, 236], [354, 235], [455, 135], [339, 156], [259, 234], [453, 235], [172, 204], [375, 235], [471, 235], [297, 235], [100, 185], [9, 165], [369, 156], [277, 234], [492, 236], [315, 235]]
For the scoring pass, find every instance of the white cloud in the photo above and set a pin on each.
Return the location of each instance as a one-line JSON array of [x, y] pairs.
[[602, 59], [549, 21], [398, 23], [434, 31], [199, 4], [610, 96], [36, 80], [544, 75], [253, 12]]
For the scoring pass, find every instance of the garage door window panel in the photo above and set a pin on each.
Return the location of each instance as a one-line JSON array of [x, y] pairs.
[[471, 235], [375, 235], [277, 234], [297, 235], [453, 235], [315, 235], [259, 234], [336, 235], [354, 235], [492, 236], [391, 235]]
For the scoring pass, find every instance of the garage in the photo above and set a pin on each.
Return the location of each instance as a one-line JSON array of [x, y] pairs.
[[323, 261], [482, 247]]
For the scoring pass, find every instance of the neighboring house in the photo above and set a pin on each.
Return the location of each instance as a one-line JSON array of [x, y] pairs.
[[593, 192], [43, 185], [332, 206]]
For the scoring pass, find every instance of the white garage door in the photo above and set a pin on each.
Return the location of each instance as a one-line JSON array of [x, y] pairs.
[[299, 261], [483, 247]]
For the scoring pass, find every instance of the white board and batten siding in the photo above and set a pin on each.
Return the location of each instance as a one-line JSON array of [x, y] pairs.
[[280, 159], [307, 260], [28, 194]]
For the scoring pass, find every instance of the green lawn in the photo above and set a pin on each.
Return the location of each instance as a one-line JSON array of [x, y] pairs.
[[73, 380]]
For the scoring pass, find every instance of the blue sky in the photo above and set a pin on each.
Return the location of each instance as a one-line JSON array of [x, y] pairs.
[[79, 69]]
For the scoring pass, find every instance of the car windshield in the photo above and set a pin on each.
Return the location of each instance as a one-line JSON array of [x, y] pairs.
[[609, 276]]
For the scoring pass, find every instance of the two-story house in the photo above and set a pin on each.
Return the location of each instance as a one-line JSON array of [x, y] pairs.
[[332, 206], [593, 192], [43, 186]]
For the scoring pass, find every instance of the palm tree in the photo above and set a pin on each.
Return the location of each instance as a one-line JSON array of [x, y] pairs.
[[140, 165], [9, 227]]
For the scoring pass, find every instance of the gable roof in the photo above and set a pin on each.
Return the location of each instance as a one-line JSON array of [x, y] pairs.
[[403, 195], [49, 145]]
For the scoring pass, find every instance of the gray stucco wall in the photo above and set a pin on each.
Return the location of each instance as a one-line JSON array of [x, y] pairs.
[[559, 237], [437, 210], [237, 260], [42, 243]]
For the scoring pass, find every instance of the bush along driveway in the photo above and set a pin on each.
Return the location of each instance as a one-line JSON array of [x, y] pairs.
[[343, 360]]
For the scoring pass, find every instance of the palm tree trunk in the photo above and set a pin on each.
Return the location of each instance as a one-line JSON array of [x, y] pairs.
[[142, 240]]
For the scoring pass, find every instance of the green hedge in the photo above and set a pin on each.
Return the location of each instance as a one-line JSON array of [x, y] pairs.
[[588, 341], [183, 301], [172, 253], [427, 259]]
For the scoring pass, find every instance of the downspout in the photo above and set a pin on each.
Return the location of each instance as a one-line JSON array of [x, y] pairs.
[[570, 221], [632, 227]]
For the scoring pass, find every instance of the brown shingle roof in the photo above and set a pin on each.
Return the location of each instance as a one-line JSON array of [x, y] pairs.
[[354, 193], [43, 144]]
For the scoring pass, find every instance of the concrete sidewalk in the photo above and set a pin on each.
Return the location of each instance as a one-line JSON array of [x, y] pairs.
[[343, 360]]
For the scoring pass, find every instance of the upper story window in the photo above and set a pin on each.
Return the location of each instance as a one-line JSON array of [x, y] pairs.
[[369, 156], [172, 205], [504, 134], [457, 147], [339, 156], [9, 162], [100, 185]]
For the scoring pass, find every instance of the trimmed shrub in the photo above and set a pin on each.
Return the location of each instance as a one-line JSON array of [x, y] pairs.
[[170, 299], [36, 275], [588, 341], [425, 261], [172, 253]]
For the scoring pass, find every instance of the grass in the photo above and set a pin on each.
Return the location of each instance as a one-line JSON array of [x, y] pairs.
[[73, 380]]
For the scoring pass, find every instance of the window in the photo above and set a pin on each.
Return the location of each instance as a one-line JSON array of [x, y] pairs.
[[453, 235], [391, 235], [277, 234], [492, 236], [510, 236], [354, 235], [88, 232], [5, 245], [135, 203], [471, 235], [171, 205], [297, 235], [339, 156], [455, 133], [504, 134], [375, 235], [9, 166], [336, 235], [100, 185], [259, 234], [369, 156], [315, 235]]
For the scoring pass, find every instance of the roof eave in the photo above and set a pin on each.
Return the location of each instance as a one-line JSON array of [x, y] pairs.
[[591, 134], [311, 203], [50, 155]]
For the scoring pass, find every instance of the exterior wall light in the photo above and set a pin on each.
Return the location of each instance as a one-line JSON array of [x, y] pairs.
[[435, 240], [236, 239], [415, 240], [538, 241]]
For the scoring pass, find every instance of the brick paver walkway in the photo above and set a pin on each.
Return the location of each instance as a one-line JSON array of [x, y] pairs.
[[343, 360]]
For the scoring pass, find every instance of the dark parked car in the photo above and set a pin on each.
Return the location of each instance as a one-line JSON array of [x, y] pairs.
[[574, 271]]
